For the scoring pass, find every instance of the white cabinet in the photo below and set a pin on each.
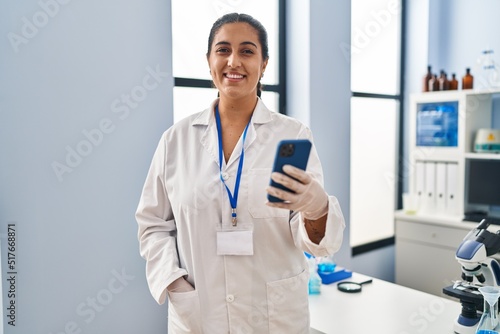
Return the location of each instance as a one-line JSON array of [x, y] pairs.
[[425, 250]]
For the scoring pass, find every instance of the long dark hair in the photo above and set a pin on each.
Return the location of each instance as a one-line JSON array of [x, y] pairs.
[[234, 18]]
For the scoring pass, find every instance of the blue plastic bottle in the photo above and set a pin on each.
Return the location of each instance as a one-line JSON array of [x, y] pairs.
[[314, 278]]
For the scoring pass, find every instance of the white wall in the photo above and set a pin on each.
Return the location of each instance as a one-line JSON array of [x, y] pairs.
[[319, 89], [85, 94], [462, 31], [298, 31], [330, 100], [449, 35]]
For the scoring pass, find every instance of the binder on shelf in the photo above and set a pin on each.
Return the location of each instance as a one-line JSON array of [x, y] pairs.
[[451, 188], [420, 182], [441, 187], [430, 187]]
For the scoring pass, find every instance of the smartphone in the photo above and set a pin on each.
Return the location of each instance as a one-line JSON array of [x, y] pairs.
[[293, 152]]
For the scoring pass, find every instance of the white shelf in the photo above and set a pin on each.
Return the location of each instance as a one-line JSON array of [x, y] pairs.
[[483, 156], [440, 94]]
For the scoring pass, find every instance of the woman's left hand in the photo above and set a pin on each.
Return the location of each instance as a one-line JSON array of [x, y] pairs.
[[309, 198]]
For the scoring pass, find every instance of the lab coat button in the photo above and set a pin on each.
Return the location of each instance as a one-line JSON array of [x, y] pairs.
[[225, 176], [229, 298]]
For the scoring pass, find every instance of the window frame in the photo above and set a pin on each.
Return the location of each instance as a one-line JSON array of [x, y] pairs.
[[381, 243]]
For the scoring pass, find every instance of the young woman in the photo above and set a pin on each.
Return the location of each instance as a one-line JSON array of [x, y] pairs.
[[227, 260]]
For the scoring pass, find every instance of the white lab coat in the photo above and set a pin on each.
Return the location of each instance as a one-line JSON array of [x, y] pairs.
[[184, 204]]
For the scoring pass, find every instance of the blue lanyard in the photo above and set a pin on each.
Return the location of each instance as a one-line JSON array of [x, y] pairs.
[[232, 199]]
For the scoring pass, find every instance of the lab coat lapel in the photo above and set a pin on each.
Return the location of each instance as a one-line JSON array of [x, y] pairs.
[[235, 156], [209, 138], [260, 116]]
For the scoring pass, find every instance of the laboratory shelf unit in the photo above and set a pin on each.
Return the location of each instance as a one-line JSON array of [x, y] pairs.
[[483, 156], [443, 126], [442, 129]]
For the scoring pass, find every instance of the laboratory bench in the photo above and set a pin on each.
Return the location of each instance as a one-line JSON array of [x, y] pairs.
[[381, 307]]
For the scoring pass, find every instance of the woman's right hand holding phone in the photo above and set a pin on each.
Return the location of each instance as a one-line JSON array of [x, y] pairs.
[[309, 198]]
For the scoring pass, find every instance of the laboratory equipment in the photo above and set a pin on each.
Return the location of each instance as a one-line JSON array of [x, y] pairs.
[[326, 265], [410, 203], [453, 82], [351, 287], [443, 82], [433, 84], [478, 269], [427, 77], [489, 320], [487, 141], [314, 278], [327, 270], [467, 80], [488, 75], [338, 274]]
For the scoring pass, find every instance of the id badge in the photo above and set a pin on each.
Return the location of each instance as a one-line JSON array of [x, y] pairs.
[[235, 243]]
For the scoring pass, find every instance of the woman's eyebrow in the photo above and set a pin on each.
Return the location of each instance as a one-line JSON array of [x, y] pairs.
[[250, 43], [242, 43]]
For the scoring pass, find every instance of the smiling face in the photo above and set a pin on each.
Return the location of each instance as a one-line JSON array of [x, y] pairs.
[[236, 60]]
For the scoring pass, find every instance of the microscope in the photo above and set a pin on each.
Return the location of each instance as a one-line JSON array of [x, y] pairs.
[[478, 269]]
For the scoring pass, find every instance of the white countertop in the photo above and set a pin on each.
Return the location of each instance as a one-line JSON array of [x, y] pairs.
[[442, 220], [381, 308]]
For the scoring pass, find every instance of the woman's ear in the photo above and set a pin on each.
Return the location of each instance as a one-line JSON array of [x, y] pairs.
[[208, 63], [264, 65]]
